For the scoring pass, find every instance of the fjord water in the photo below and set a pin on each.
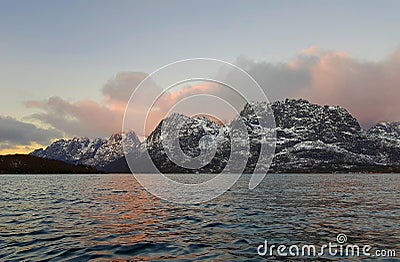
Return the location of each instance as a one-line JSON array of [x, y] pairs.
[[111, 217]]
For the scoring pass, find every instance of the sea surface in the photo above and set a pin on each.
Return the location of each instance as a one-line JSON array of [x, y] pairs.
[[112, 218]]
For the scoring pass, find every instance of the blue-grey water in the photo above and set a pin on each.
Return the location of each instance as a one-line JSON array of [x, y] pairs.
[[112, 218]]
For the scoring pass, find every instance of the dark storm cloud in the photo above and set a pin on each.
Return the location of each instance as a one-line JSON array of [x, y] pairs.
[[278, 80], [14, 133]]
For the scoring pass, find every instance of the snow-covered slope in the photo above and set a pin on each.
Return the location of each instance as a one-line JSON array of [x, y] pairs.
[[387, 132], [97, 152], [195, 135]]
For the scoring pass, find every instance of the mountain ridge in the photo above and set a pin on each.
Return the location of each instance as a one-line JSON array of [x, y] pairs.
[[309, 138], [96, 152]]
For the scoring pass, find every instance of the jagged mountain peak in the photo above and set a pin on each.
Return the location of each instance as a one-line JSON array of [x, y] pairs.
[[116, 137], [94, 152], [300, 112], [185, 122], [303, 116]]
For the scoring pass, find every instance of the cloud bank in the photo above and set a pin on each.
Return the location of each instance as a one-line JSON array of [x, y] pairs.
[[14, 133], [88, 117], [369, 90], [101, 119]]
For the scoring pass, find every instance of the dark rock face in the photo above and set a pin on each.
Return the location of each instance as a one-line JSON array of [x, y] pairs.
[[386, 131], [313, 138], [309, 138], [386, 141], [313, 122]]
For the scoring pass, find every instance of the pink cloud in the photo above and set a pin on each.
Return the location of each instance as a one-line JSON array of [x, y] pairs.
[[82, 118], [312, 50], [369, 90], [94, 119]]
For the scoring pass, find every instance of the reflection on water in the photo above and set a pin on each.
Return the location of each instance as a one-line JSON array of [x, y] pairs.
[[111, 217]]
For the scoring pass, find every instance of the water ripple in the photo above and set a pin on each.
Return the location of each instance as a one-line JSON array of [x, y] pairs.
[[112, 218]]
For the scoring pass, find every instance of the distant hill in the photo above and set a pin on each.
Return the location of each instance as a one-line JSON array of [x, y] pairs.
[[27, 164]]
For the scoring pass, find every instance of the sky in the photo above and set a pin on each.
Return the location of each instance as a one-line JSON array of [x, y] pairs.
[[68, 66]]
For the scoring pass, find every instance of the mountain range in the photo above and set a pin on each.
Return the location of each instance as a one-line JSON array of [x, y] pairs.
[[309, 138], [97, 152]]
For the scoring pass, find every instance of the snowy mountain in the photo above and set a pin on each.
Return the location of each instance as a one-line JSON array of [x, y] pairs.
[[195, 135], [309, 138], [321, 138], [97, 152]]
